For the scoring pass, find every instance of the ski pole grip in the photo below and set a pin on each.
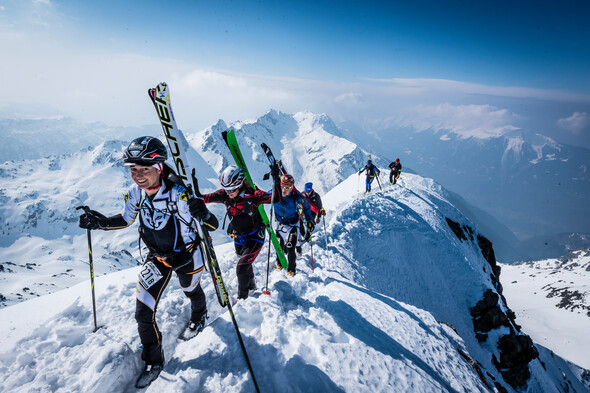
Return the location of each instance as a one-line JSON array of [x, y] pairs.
[[196, 190], [86, 208]]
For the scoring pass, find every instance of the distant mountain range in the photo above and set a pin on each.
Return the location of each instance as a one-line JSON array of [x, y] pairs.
[[529, 193], [536, 187]]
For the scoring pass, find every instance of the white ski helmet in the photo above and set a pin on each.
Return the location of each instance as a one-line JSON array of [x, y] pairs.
[[231, 178]]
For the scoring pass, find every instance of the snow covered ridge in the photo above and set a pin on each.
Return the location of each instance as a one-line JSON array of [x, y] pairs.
[[421, 250], [386, 309]]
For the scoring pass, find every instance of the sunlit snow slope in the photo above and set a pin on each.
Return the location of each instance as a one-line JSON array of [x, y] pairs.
[[367, 318]]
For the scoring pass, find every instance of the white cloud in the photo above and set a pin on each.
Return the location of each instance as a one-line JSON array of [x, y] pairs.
[[479, 121], [350, 98], [434, 86], [576, 123]]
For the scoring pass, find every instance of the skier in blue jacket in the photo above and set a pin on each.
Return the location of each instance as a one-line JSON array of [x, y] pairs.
[[371, 171], [292, 207]]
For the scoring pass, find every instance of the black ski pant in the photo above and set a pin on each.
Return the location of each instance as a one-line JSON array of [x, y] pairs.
[[247, 249], [393, 176], [289, 248], [148, 299]]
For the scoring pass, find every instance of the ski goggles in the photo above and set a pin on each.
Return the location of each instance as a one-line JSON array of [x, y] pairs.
[[231, 190]]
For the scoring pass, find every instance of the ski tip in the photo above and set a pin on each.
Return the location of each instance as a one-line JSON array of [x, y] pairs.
[[224, 136]]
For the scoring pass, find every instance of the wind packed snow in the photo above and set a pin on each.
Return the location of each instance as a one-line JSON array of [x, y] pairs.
[[367, 318]]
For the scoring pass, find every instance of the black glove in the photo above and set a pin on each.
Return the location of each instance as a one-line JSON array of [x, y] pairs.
[[92, 219], [198, 209], [274, 171]]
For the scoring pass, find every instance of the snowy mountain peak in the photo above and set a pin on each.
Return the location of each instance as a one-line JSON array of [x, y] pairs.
[[306, 143]]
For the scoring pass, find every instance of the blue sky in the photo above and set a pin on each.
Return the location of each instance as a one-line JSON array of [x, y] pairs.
[[370, 62], [502, 43]]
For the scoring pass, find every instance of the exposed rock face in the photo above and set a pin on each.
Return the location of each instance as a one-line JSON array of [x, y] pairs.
[[488, 315], [491, 312], [516, 351]]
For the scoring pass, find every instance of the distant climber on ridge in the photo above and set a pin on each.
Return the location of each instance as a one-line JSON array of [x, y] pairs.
[[371, 172], [396, 170]]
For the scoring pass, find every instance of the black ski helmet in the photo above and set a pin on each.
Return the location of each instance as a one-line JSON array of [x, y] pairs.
[[369, 162], [146, 151]]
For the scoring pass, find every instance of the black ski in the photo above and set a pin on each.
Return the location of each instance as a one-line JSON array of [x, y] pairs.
[[160, 97]]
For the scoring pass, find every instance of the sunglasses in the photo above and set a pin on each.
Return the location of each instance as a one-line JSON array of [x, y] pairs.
[[286, 187]]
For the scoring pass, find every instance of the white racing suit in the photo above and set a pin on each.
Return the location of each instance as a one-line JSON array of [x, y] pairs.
[[174, 245]]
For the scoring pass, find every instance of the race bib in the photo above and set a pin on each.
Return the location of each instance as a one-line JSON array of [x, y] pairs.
[[149, 275]]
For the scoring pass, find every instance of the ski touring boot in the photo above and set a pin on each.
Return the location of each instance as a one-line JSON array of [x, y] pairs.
[[149, 374], [194, 328]]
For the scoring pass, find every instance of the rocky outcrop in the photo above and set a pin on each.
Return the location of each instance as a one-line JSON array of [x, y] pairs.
[[487, 315], [515, 349]]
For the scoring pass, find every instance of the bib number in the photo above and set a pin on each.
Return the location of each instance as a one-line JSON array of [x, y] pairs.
[[149, 275]]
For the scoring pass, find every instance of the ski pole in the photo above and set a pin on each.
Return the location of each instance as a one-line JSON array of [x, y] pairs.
[[266, 291], [311, 248], [379, 182], [325, 233], [87, 210]]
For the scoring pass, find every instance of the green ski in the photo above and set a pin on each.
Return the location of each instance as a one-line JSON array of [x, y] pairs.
[[230, 139]]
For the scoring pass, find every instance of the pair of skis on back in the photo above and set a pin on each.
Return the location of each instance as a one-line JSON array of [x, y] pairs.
[[230, 140], [160, 96]]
